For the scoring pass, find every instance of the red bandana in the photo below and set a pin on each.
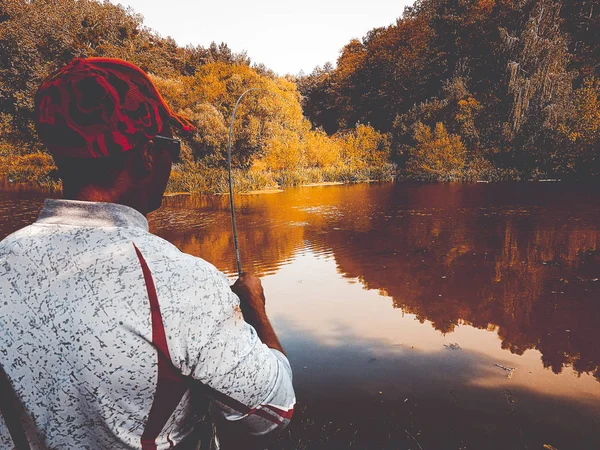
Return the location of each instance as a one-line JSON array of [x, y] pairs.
[[97, 107]]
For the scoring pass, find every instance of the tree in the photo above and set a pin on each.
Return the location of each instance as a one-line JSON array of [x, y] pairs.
[[318, 91], [579, 132], [539, 81], [438, 155]]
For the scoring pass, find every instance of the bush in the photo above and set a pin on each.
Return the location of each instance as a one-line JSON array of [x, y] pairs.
[[36, 167], [438, 156]]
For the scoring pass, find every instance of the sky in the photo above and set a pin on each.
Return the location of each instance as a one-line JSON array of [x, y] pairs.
[[285, 36]]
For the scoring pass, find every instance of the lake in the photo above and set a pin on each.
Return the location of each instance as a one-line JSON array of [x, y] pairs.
[[415, 316]]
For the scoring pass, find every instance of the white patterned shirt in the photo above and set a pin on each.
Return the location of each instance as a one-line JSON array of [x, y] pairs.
[[112, 338]]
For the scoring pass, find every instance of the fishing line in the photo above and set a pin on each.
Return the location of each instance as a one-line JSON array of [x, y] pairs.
[[231, 202]]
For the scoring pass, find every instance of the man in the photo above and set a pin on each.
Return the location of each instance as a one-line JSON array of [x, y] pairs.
[[110, 337]]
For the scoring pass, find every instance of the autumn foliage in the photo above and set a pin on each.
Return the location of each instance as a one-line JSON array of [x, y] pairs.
[[453, 90], [437, 155], [515, 81], [273, 143]]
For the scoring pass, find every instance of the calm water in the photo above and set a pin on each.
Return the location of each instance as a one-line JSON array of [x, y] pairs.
[[401, 307]]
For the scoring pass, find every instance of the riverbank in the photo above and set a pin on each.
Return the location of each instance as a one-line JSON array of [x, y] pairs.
[[38, 170], [201, 179], [35, 169]]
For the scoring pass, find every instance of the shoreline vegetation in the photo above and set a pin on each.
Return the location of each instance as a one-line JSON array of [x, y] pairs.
[[473, 90]]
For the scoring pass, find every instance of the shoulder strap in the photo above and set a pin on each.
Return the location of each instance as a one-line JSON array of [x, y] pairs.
[[10, 411]]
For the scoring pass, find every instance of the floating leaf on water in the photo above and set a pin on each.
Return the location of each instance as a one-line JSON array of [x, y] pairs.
[[510, 370], [453, 346]]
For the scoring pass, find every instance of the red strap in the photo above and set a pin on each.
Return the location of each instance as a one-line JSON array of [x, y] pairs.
[[170, 385]]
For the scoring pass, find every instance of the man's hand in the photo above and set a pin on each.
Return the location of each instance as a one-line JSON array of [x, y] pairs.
[[252, 303], [250, 291]]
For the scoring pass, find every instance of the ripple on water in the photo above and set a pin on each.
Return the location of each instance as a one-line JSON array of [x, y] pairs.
[[372, 284]]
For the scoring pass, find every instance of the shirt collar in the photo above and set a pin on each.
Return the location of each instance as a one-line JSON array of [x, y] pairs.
[[90, 214]]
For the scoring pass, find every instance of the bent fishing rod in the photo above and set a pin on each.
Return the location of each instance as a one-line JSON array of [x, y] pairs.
[[231, 202]]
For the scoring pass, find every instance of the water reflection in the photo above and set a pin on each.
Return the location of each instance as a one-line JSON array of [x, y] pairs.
[[521, 260], [19, 206], [368, 283]]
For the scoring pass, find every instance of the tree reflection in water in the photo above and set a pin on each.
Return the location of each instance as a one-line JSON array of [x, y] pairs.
[[519, 259]]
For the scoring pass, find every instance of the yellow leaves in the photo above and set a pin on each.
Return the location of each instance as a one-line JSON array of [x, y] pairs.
[[33, 167], [210, 88], [584, 125], [587, 104], [437, 155], [285, 152], [357, 150], [265, 116], [5, 124], [270, 133], [39, 160], [351, 58], [364, 146], [173, 89], [211, 127], [466, 108], [484, 7], [321, 150]]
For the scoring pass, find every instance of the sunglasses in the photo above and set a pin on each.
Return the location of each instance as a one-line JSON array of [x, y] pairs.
[[172, 145]]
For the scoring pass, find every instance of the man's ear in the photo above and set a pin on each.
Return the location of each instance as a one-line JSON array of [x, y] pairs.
[[147, 157]]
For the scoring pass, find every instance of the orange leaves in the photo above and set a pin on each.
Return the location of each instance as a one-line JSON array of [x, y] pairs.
[[438, 155], [351, 59], [581, 128], [283, 152], [483, 7], [479, 11], [586, 126], [364, 146], [360, 149], [466, 107], [208, 97]]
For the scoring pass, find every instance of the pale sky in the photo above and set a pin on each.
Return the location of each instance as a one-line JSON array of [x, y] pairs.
[[285, 36]]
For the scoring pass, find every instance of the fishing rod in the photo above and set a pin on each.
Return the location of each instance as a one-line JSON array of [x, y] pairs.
[[231, 202]]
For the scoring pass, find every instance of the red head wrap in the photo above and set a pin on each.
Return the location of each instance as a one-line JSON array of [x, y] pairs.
[[96, 107]]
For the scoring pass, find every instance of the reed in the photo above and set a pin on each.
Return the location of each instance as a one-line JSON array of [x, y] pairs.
[[36, 168], [199, 178]]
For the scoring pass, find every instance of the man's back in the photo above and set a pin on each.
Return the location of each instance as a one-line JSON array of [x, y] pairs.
[[105, 328]]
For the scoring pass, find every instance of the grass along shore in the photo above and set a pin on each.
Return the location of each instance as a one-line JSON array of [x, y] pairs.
[[38, 169]]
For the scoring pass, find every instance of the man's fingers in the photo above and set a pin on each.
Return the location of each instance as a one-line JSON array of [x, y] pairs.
[[248, 280], [250, 291]]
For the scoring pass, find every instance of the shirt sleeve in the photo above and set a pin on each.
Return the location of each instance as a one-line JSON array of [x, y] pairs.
[[250, 383]]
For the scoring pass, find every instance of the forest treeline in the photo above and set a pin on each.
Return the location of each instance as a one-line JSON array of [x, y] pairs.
[[454, 90], [274, 144], [478, 89]]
